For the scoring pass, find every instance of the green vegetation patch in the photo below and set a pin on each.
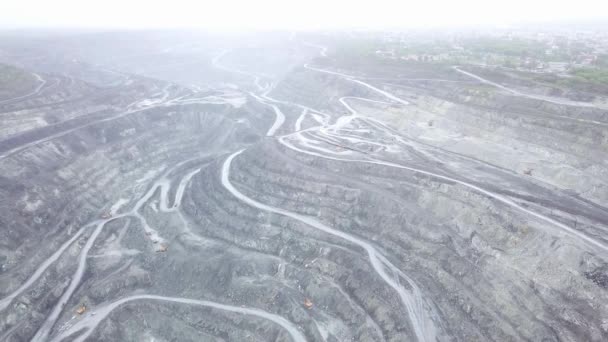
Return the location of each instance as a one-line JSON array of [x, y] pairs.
[[594, 75]]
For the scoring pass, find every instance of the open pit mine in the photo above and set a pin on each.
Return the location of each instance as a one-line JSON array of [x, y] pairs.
[[184, 187]]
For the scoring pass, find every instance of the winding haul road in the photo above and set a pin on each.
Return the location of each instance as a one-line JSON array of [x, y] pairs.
[[90, 322], [420, 312], [365, 84], [6, 301], [164, 184], [424, 319], [565, 228], [553, 100], [41, 83], [322, 49], [573, 232], [279, 116], [147, 105], [45, 329]]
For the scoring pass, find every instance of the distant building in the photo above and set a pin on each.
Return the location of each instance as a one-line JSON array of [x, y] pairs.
[[386, 53], [557, 66]]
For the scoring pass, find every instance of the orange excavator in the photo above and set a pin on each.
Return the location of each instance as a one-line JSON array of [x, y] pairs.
[[81, 309], [162, 248]]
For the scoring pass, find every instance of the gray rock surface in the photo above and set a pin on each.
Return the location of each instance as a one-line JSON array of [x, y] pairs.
[[198, 188]]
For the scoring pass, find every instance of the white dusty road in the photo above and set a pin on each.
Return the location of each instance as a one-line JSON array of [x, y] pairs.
[[164, 184], [41, 83], [425, 321], [346, 119], [279, 116], [285, 140], [6, 301], [45, 329], [91, 321], [573, 232], [298, 124], [320, 117], [322, 49], [142, 106], [216, 64], [549, 99], [367, 85], [60, 134], [563, 227], [421, 313]]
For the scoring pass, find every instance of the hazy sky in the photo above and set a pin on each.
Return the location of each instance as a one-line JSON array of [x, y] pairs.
[[291, 14]]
